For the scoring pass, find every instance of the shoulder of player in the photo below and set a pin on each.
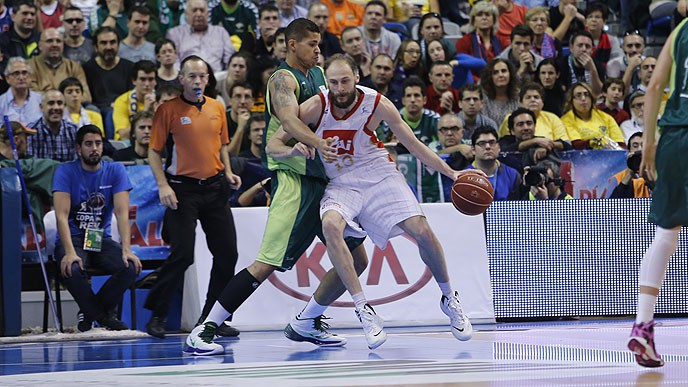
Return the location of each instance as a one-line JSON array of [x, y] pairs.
[[282, 80]]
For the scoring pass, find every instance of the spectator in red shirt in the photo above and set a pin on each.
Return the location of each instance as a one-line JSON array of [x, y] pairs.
[[482, 41], [441, 97]]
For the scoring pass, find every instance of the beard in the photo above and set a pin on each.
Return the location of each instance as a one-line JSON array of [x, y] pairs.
[[351, 97], [92, 159]]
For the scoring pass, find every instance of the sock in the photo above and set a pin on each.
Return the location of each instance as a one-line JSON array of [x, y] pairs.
[[359, 300], [217, 314], [446, 289], [238, 290], [312, 309], [646, 308]]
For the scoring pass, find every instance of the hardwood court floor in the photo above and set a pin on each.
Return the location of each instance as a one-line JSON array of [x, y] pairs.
[[582, 353]]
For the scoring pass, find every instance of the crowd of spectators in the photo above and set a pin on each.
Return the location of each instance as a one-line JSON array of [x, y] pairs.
[[546, 76]]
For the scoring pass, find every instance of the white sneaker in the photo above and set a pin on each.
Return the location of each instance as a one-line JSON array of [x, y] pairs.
[[372, 326], [461, 328], [200, 341], [312, 330]]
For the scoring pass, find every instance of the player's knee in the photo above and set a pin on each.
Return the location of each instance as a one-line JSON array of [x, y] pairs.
[[332, 228]]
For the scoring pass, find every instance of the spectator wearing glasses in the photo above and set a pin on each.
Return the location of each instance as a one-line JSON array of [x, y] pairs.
[[588, 126], [76, 46], [505, 180], [450, 134], [636, 123], [627, 66], [20, 103], [408, 62]]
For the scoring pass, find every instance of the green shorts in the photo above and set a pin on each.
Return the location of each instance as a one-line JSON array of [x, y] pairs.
[[669, 207], [293, 219]]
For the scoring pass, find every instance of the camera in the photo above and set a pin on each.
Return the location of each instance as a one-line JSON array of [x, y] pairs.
[[536, 176], [633, 162]]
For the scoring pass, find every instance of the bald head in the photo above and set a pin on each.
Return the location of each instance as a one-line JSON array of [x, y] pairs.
[[51, 44]]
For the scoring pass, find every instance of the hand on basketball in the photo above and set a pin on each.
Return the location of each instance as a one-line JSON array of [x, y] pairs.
[[469, 172], [167, 197], [327, 151]]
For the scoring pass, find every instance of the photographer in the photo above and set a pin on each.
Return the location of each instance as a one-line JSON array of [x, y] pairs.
[[632, 185], [544, 181]]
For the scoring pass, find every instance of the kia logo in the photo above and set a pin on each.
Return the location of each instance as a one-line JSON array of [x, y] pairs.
[[311, 263]]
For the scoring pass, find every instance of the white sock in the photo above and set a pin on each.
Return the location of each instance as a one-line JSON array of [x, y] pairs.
[[446, 288], [312, 309], [646, 308], [359, 300], [218, 314], [653, 268]]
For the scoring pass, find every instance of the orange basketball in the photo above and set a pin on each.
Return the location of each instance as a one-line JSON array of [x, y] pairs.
[[472, 194]]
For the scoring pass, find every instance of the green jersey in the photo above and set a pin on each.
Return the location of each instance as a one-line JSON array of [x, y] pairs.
[[307, 85], [676, 111]]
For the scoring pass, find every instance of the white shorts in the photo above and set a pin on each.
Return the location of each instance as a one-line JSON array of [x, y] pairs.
[[372, 202]]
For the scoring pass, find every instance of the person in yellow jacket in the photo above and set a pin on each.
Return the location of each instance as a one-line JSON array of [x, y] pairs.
[[142, 97], [589, 127]]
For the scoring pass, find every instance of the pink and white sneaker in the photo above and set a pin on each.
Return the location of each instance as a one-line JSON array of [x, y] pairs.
[[642, 344]]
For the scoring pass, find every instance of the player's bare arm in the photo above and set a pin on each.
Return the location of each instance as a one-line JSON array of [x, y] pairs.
[[387, 112], [278, 149], [286, 107]]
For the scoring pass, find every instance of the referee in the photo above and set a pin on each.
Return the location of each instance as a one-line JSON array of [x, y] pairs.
[[195, 185]]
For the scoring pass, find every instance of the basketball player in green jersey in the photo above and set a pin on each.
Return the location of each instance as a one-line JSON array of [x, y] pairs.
[[666, 163], [298, 184]]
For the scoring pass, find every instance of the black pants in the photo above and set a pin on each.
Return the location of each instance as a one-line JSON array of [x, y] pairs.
[[108, 260], [207, 203]]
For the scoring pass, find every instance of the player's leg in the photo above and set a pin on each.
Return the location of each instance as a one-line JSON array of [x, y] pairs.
[[238, 289], [308, 325], [432, 254], [669, 211], [652, 271], [333, 224]]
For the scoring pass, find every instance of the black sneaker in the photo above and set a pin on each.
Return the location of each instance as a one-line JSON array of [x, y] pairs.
[[83, 324], [111, 322], [226, 330], [156, 327]]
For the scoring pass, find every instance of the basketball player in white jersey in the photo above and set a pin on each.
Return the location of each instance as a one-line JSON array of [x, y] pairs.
[[366, 193]]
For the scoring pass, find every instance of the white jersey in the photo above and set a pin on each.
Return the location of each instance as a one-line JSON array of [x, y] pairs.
[[356, 143]]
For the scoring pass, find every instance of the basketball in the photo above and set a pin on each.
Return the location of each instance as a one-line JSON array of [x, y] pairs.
[[471, 194]]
